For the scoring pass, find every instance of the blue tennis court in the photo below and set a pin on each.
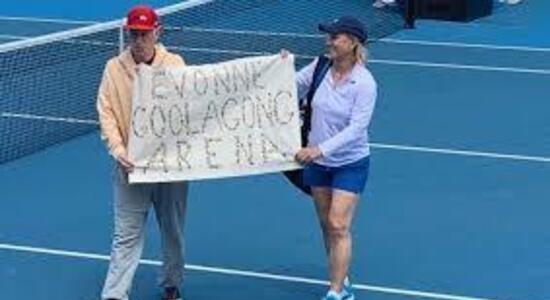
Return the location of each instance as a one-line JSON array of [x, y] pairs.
[[456, 206]]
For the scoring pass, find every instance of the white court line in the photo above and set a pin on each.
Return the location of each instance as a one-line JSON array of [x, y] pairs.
[[14, 37], [373, 61], [385, 61], [47, 20], [459, 66], [48, 118], [462, 152], [245, 32], [385, 40], [251, 274], [464, 45], [67, 41], [93, 28], [446, 151]]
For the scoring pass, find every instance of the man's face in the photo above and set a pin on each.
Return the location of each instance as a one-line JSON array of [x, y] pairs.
[[142, 44]]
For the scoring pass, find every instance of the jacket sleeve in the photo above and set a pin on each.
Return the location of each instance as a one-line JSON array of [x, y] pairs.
[[110, 131], [304, 77]]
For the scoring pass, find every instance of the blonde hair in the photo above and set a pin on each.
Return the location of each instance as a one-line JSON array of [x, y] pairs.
[[361, 54]]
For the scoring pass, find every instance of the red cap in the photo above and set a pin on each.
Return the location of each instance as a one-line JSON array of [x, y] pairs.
[[141, 17]]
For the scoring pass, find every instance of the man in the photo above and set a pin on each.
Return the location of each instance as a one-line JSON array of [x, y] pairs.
[[132, 202]]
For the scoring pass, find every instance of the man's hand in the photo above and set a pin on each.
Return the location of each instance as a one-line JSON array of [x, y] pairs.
[[308, 154], [125, 163]]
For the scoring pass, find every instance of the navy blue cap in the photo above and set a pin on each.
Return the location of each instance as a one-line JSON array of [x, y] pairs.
[[346, 24]]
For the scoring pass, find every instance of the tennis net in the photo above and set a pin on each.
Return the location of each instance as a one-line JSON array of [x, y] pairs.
[[48, 84]]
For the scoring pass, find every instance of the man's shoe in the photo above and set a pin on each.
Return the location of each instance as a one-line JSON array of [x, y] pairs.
[[171, 293]]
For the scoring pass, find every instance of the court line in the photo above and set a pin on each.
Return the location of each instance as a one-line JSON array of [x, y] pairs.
[[14, 37], [373, 61], [48, 118], [93, 28], [67, 41], [422, 149], [384, 61], [464, 45], [469, 153], [47, 20], [460, 67], [385, 40], [243, 273]]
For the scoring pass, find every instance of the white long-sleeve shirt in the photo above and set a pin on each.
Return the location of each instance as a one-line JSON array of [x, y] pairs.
[[341, 114]]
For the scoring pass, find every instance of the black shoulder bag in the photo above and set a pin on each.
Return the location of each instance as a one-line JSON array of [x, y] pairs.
[[321, 68]]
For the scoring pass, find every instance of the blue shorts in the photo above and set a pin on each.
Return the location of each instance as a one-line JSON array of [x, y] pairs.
[[351, 177]]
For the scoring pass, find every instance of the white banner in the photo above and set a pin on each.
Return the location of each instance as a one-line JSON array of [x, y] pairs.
[[229, 119]]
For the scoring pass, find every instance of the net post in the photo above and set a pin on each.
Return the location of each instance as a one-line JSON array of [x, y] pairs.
[[410, 13], [121, 38]]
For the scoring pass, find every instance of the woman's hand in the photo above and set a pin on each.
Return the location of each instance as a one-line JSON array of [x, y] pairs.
[[308, 154], [284, 53]]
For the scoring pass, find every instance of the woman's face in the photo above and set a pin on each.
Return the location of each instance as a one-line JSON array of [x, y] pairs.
[[340, 45]]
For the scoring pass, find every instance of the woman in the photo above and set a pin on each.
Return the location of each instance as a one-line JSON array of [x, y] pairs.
[[337, 156]]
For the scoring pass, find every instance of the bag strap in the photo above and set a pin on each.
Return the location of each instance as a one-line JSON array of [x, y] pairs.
[[321, 69]]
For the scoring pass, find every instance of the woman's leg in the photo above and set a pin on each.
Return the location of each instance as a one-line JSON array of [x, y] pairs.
[[339, 221], [322, 197]]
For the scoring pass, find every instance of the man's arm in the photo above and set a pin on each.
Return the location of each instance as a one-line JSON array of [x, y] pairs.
[[110, 131]]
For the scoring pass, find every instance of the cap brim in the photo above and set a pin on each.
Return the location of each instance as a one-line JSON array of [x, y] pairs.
[[331, 29], [139, 27], [327, 28]]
